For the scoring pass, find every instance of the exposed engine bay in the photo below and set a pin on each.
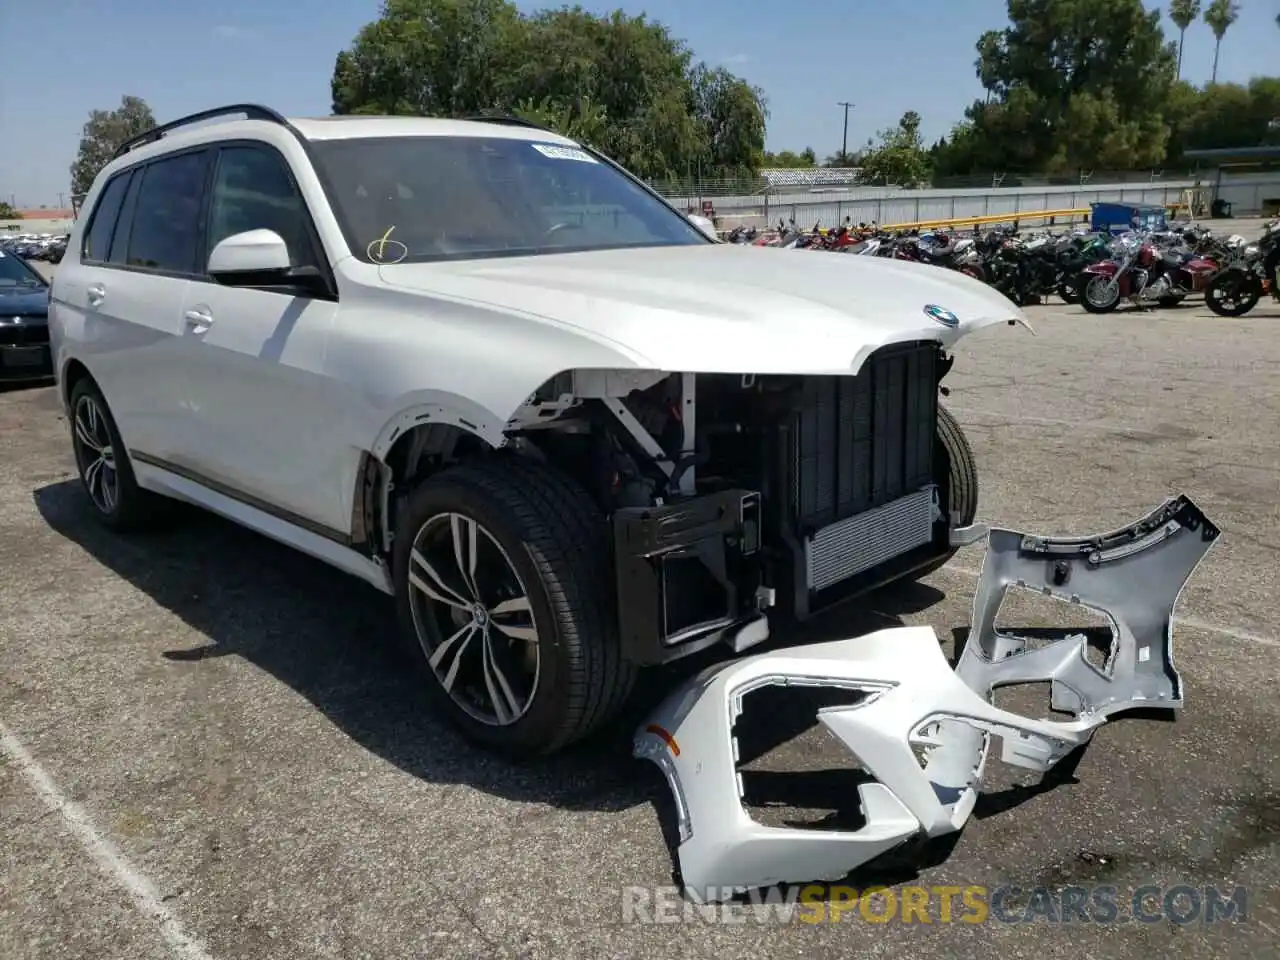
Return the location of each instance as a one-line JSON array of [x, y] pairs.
[[736, 495]]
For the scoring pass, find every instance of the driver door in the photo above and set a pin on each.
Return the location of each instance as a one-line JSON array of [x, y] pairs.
[[263, 408]]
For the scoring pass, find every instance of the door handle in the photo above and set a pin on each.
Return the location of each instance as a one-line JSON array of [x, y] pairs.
[[97, 293], [198, 321]]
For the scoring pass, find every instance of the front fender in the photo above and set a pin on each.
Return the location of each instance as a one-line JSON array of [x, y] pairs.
[[1105, 268]]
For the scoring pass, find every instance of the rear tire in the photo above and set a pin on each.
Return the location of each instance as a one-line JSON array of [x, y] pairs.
[[105, 470], [541, 664], [959, 482]]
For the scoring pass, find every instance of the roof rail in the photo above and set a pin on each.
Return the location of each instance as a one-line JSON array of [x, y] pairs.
[[252, 111]]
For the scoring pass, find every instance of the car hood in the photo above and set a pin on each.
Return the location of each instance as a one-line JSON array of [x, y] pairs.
[[724, 308], [33, 303]]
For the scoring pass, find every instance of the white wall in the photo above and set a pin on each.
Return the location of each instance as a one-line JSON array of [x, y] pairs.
[[35, 226], [1246, 192]]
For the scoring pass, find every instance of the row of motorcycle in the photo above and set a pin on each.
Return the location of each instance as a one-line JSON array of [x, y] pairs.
[[1097, 270]]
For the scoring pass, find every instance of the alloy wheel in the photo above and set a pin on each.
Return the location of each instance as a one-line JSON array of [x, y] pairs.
[[1102, 291], [473, 619], [95, 455]]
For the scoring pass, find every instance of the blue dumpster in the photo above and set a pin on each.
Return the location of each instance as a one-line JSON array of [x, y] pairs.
[[1119, 217]]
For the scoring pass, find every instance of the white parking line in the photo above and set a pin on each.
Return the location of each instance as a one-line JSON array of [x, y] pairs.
[[1235, 633], [146, 899]]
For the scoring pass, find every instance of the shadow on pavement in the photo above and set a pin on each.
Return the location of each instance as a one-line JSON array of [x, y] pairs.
[[336, 642]]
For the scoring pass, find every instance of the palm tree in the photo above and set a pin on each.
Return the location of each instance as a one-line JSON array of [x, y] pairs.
[[1183, 13], [1220, 15]]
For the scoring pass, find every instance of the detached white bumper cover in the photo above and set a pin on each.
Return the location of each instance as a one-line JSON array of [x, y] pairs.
[[916, 703]]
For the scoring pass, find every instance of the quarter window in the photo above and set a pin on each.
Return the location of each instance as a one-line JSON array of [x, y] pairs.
[[97, 240], [252, 190], [166, 225]]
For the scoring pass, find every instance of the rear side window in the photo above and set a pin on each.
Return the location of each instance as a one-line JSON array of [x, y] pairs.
[[120, 240], [97, 239], [166, 230]]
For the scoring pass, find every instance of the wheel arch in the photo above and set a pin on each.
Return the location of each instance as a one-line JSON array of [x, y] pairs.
[[415, 442], [73, 371]]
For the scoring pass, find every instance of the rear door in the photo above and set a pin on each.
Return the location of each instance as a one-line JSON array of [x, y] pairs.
[[140, 251]]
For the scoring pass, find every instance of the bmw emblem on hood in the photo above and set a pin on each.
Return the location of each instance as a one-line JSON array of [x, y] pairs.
[[941, 315]]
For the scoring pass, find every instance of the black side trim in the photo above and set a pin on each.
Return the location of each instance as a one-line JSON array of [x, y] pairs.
[[319, 529]]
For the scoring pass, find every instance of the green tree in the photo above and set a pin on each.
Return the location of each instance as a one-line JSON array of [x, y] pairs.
[[900, 158], [1220, 15], [789, 159], [8, 212], [624, 83], [1183, 13], [103, 134], [1070, 84], [1222, 115], [428, 57]]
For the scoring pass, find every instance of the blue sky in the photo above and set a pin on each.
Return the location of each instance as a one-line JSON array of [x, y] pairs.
[[64, 58]]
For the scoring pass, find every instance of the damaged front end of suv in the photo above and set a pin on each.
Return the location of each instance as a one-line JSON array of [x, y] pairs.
[[920, 728], [740, 500]]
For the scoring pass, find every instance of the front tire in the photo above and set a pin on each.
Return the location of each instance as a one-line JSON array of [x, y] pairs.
[[1232, 293], [959, 482], [503, 579], [1099, 293], [103, 463]]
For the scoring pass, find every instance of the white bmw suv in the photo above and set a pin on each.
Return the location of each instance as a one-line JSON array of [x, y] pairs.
[[485, 369]]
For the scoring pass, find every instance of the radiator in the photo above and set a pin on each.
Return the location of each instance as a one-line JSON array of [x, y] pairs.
[[848, 547], [862, 442]]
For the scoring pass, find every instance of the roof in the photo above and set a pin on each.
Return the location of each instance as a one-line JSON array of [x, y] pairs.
[[353, 127], [1271, 152]]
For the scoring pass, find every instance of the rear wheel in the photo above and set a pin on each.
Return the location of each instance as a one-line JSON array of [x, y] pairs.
[[104, 466], [1233, 293], [957, 476], [1069, 290], [503, 581]]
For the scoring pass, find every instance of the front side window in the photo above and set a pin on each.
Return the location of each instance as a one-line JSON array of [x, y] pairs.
[[166, 220], [252, 190], [97, 239], [417, 199]]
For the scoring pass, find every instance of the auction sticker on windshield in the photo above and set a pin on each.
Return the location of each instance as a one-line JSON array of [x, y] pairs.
[[557, 152]]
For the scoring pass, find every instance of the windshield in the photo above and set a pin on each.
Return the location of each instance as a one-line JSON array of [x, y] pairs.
[[416, 199], [17, 277]]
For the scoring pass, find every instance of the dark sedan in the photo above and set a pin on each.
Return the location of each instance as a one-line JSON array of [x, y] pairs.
[[24, 322]]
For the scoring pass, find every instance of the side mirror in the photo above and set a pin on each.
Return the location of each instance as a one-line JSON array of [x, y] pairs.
[[252, 258], [260, 258], [705, 225]]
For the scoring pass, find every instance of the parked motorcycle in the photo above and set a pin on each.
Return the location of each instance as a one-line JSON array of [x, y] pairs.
[[1236, 290], [1143, 273]]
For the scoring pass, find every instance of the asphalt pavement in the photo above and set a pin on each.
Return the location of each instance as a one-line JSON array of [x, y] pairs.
[[211, 747]]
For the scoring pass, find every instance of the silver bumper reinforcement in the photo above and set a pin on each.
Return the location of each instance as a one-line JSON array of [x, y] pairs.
[[914, 703]]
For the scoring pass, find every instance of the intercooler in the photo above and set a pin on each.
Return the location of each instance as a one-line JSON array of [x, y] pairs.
[[853, 546], [861, 463]]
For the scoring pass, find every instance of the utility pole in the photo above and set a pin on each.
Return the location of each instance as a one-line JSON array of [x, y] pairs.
[[844, 142]]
